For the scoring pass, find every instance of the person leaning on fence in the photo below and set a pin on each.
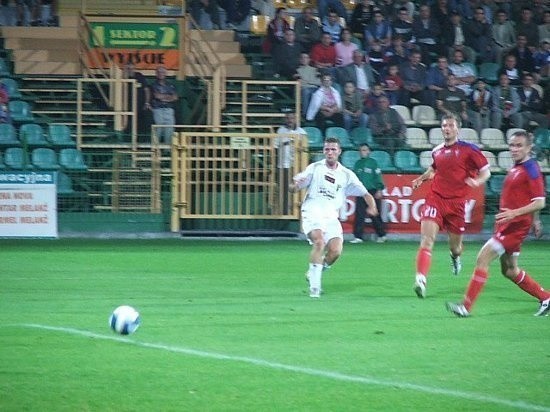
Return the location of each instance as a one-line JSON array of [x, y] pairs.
[[284, 146], [163, 101]]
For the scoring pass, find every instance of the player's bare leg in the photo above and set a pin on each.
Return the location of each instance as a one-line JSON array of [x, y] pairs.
[[316, 262], [334, 251], [428, 233], [455, 247]]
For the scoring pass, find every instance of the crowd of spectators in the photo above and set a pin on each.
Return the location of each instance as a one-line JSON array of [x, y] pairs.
[[29, 13], [428, 52]]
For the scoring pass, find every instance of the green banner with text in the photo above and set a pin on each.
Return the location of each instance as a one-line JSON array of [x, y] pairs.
[[134, 35]]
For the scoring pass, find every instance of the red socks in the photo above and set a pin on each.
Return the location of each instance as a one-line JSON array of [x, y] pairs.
[[474, 287], [423, 261], [529, 285]]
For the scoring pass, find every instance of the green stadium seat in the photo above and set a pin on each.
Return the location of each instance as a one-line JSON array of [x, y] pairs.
[[44, 158], [20, 111], [407, 161], [314, 137], [33, 135], [72, 160], [2, 164], [361, 135], [488, 71], [64, 184], [495, 183], [341, 134], [384, 161], [15, 158], [4, 69], [59, 135], [542, 138], [349, 157], [8, 135]]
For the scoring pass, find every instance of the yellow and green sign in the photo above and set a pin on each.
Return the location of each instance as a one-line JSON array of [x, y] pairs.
[[147, 45]]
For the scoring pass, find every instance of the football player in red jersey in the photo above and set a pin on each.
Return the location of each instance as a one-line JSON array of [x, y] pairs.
[[457, 166], [520, 202]]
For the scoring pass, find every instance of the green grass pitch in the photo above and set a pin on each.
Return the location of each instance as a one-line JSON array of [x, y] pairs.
[[228, 325]]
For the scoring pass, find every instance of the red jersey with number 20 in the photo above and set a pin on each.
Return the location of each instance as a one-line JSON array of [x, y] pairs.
[[453, 164]]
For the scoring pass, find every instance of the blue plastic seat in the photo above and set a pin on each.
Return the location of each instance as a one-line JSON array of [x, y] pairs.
[[8, 135], [341, 134], [20, 111], [407, 161], [314, 138], [15, 158], [33, 135], [44, 158], [59, 135], [72, 160], [361, 135], [349, 158], [384, 161]]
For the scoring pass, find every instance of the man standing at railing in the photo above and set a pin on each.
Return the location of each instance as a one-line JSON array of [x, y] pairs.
[[164, 97]]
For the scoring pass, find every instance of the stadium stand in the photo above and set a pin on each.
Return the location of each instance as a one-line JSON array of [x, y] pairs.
[[493, 139], [16, 159], [59, 135], [360, 135], [384, 161], [349, 157], [44, 158], [407, 161], [405, 113], [72, 160], [8, 135], [417, 139], [32, 134]]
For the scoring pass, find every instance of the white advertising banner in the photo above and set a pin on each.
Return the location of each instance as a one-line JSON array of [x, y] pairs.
[[28, 204]]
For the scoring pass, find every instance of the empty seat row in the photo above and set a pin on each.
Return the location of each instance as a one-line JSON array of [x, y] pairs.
[[32, 134], [403, 160], [70, 159]]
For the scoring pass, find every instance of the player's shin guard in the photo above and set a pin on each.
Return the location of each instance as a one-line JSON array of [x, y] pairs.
[[423, 261], [531, 286], [474, 288], [315, 273]]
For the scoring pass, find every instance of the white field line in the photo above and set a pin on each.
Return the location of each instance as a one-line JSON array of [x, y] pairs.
[[366, 380]]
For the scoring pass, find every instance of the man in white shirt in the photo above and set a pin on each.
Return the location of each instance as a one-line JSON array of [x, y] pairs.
[[328, 183], [284, 145]]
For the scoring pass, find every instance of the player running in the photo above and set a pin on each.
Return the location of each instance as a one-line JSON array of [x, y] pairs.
[[456, 167], [328, 183], [521, 200]]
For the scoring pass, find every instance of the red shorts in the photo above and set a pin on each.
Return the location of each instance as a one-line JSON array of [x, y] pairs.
[[512, 234], [449, 214]]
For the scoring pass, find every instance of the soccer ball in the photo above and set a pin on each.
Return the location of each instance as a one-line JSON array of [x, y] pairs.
[[124, 320]]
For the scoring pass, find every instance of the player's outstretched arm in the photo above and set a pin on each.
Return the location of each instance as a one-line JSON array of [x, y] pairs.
[[427, 175]]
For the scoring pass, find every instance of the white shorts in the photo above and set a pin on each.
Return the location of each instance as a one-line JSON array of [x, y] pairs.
[[329, 225]]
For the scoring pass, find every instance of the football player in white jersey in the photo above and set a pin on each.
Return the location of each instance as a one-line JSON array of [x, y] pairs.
[[328, 183]]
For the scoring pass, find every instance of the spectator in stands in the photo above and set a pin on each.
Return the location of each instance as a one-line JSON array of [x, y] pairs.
[[479, 107], [489, 9], [263, 7], [4, 100], [402, 26], [542, 59], [325, 105], [544, 27], [379, 30], [480, 37], [323, 55], [353, 107], [361, 16], [284, 146], [452, 101], [436, 79], [511, 70], [143, 99], [413, 74], [387, 126], [34, 10], [377, 59], [504, 35], [307, 29], [371, 102], [358, 72], [538, 8], [344, 49], [523, 54], [286, 56], [236, 11], [393, 84], [505, 5], [409, 7], [309, 81], [527, 27], [324, 7], [331, 24], [276, 30], [441, 12], [464, 73], [397, 53], [504, 104], [210, 7], [531, 105], [163, 101], [426, 31], [454, 38]]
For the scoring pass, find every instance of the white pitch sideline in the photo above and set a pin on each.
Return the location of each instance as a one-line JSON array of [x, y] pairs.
[[367, 380]]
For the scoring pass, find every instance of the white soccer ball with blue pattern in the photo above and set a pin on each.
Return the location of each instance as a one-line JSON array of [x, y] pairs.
[[124, 320]]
